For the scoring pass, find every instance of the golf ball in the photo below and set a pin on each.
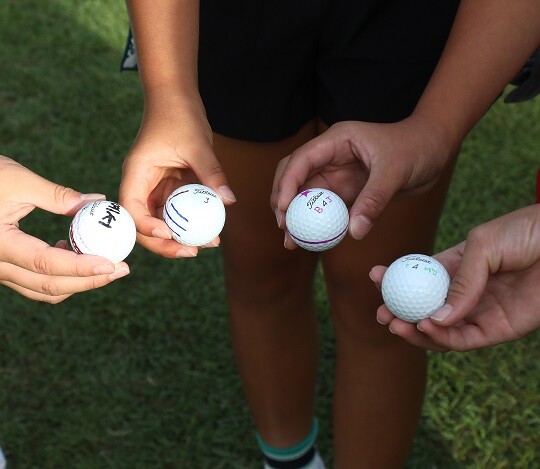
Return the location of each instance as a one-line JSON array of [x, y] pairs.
[[195, 214], [415, 286], [317, 219], [103, 228]]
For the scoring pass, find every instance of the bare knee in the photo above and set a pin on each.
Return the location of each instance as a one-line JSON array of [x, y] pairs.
[[353, 304]]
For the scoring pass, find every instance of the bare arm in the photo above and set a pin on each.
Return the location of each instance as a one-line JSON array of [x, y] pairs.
[[167, 36], [174, 144], [489, 42]]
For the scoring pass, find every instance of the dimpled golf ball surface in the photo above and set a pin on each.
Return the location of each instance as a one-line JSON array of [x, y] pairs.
[[103, 228], [195, 214], [317, 219], [415, 286]]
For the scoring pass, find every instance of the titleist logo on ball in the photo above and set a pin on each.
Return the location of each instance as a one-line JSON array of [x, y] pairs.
[[419, 259], [204, 191], [314, 199]]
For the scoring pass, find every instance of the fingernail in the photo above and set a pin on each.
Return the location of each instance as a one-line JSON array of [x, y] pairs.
[[380, 322], [442, 313], [288, 243], [62, 244], [419, 327], [226, 193], [119, 273], [91, 197], [279, 216], [185, 253], [377, 284], [390, 329], [211, 244], [103, 269], [360, 226], [161, 233]]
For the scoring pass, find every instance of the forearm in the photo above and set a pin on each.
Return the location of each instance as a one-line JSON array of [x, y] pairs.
[[166, 35], [490, 41]]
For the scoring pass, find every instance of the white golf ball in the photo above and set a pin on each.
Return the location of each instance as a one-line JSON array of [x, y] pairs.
[[415, 286], [317, 219], [195, 214], [103, 228]]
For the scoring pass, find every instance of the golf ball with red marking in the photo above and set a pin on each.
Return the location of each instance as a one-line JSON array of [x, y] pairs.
[[103, 228], [414, 287], [195, 214], [317, 219]]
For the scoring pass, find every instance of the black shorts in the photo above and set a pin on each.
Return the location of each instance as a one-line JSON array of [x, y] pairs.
[[266, 67]]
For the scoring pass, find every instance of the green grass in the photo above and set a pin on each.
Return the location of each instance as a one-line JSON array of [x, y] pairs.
[[131, 376]]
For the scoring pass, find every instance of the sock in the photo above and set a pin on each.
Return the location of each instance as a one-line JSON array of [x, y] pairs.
[[302, 455]]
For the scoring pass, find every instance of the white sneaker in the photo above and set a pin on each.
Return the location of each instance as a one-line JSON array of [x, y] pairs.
[[317, 463]]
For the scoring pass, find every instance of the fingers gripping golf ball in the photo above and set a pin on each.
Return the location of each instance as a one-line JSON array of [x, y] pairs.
[[317, 219], [195, 214], [103, 228], [414, 287]]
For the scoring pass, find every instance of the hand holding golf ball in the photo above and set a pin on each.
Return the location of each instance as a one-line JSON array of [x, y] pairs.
[[31, 266], [103, 228], [195, 214], [317, 219], [414, 287]]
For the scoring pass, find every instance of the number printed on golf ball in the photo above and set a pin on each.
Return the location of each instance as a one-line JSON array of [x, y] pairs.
[[195, 214], [414, 287], [103, 228], [317, 219]]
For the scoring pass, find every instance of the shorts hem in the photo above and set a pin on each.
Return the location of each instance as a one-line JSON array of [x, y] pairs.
[[262, 136]]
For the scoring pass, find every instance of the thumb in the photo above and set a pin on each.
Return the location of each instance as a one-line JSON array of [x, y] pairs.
[[466, 289], [372, 201], [211, 174], [50, 196]]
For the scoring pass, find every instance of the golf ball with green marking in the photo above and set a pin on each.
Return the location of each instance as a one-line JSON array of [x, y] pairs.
[[414, 287]]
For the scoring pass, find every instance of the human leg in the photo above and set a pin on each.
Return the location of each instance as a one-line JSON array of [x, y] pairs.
[[256, 77], [379, 379], [374, 68], [380, 81], [269, 291]]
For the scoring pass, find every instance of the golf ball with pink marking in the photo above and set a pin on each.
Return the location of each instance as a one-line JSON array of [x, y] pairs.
[[317, 219]]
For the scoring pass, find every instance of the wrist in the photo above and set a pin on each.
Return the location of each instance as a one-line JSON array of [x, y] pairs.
[[436, 140], [164, 100], [173, 90]]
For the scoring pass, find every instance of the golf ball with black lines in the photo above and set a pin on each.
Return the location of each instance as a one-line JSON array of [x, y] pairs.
[[195, 214], [103, 228]]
